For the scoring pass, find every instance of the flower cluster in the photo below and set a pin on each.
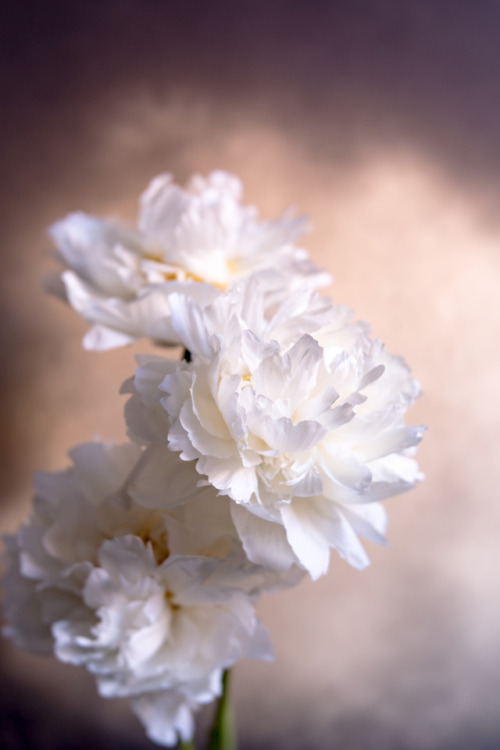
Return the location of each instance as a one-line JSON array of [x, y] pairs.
[[271, 443]]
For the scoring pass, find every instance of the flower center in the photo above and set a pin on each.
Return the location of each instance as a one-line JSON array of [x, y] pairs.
[[169, 597], [172, 272], [157, 540]]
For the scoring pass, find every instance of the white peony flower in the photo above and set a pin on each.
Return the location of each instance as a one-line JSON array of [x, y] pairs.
[[195, 241], [299, 422], [155, 610]]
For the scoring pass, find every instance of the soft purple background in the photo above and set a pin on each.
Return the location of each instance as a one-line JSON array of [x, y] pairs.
[[382, 121]]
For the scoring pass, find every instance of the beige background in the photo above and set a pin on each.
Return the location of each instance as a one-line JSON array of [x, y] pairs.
[[382, 121]]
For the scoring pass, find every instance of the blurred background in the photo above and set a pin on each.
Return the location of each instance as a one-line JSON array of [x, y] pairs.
[[381, 120]]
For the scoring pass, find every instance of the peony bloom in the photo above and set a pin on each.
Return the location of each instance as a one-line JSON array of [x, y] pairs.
[[154, 609], [196, 241], [294, 412]]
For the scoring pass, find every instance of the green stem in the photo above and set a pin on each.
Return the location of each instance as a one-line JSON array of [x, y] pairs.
[[223, 734], [187, 745]]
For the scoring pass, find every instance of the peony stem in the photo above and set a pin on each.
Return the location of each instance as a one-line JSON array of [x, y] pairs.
[[187, 745], [223, 734]]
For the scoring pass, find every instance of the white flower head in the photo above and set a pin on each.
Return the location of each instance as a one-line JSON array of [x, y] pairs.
[[196, 241], [153, 610], [298, 418]]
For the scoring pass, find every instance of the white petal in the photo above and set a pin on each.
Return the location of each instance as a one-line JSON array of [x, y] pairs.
[[314, 526], [166, 716], [306, 540], [189, 324], [368, 520], [160, 480], [264, 542], [204, 442], [285, 436], [100, 338]]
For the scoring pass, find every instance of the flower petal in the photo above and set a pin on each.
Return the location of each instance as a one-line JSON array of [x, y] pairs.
[[264, 541]]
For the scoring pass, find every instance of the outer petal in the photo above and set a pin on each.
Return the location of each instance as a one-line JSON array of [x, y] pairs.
[[264, 541], [160, 480], [101, 338], [313, 526], [166, 716], [305, 539]]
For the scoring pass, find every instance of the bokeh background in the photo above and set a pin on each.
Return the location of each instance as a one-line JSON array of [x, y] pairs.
[[380, 119]]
